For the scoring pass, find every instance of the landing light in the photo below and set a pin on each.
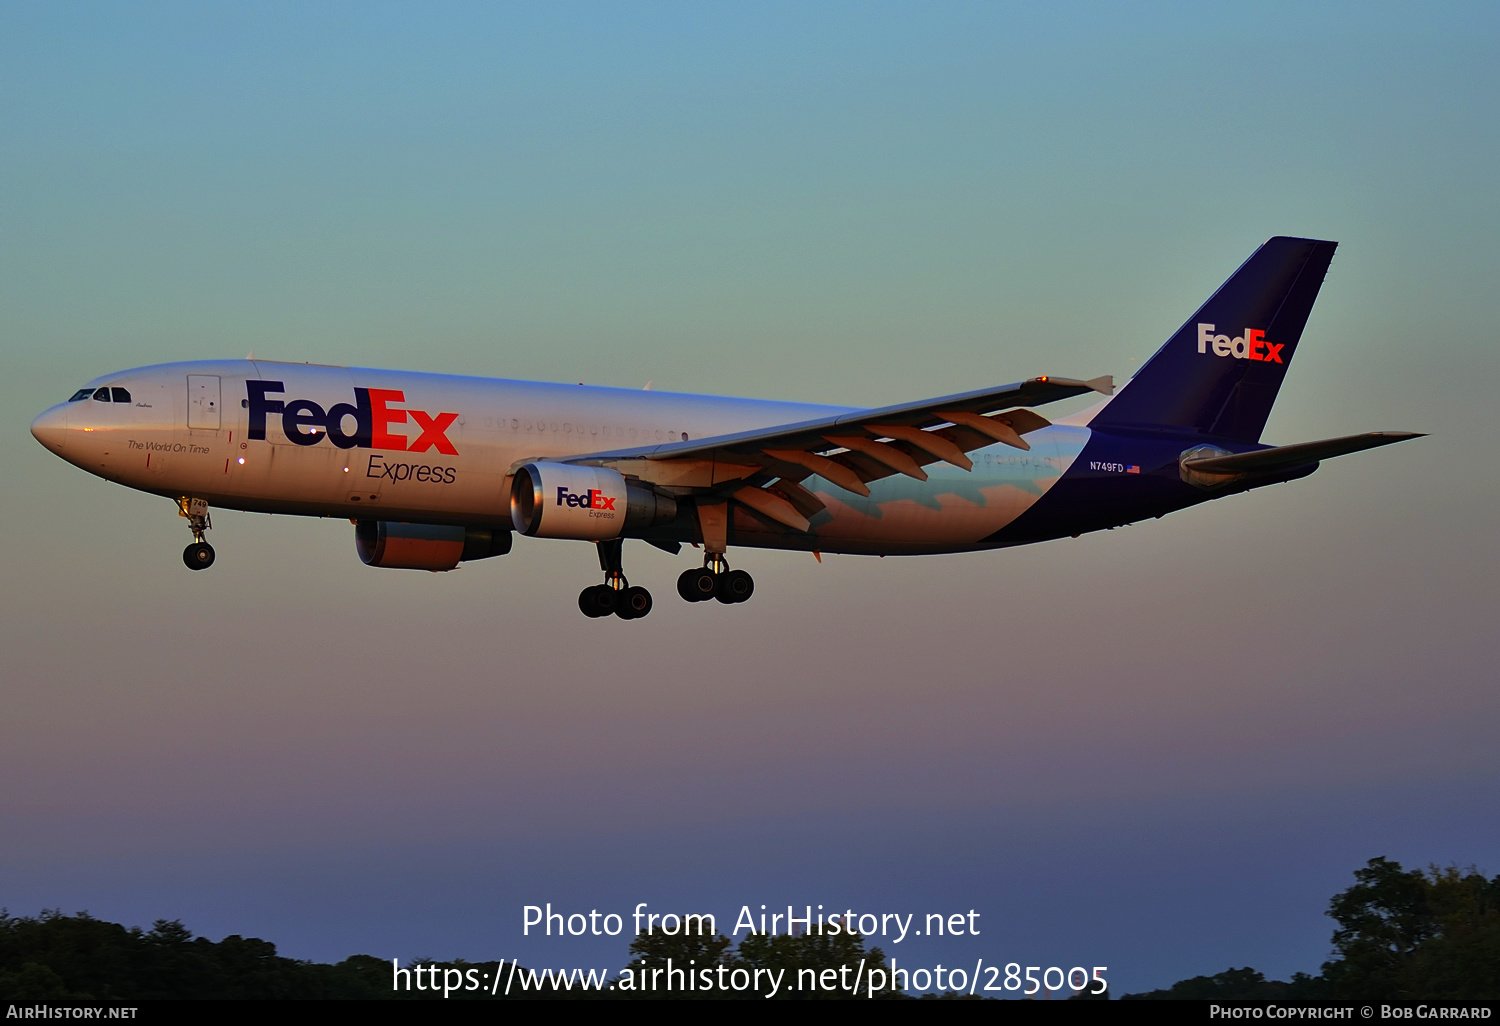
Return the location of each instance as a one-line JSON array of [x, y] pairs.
[[242, 460]]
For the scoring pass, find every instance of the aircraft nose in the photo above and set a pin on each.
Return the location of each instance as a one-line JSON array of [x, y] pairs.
[[51, 428]]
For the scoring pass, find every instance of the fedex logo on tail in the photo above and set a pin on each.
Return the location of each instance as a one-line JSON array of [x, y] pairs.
[[591, 499], [1252, 345]]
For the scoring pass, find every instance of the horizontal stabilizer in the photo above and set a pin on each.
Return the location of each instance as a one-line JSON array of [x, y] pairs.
[[1283, 457]]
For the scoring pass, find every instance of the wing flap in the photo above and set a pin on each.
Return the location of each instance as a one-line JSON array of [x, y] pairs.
[[888, 455], [838, 473], [772, 506], [931, 442]]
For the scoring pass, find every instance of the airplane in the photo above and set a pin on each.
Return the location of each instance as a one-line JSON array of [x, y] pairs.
[[436, 470]]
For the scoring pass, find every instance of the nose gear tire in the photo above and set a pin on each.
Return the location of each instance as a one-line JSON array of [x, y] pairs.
[[198, 556]]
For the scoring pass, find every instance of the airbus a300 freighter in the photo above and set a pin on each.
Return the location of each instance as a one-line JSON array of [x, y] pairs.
[[436, 469]]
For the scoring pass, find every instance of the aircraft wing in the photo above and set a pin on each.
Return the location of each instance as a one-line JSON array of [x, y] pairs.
[[849, 449]]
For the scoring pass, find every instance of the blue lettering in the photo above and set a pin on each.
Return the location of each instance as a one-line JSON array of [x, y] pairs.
[[303, 413], [260, 405], [362, 422]]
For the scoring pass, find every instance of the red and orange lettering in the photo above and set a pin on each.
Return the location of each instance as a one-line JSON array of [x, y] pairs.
[[380, 417], [434, 432], [1256, 339]]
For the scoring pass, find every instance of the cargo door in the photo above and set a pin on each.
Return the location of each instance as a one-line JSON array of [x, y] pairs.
[[203, 402]]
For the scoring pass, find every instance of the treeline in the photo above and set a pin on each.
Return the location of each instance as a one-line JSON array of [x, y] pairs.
[[58, 958], [1402, 936]]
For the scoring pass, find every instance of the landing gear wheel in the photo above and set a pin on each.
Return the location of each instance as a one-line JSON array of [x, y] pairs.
[[597, 601], [633, 603], [734, 586], [615, 595], [198, 556], [697, 585]]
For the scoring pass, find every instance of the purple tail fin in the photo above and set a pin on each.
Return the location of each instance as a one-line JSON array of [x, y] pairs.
[[1218, 375]]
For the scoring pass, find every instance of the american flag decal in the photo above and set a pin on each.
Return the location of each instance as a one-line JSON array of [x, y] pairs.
[[1131, 468]]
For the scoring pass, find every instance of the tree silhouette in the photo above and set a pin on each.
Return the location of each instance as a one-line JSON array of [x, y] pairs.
[[1409, 935]]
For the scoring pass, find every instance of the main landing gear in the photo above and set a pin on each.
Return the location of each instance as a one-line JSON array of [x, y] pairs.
[[715, 580], [200, 554], [615, 595]]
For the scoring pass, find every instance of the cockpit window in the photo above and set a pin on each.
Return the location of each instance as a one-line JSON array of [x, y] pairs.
[[82, 393], [101, 395], [120, 395]]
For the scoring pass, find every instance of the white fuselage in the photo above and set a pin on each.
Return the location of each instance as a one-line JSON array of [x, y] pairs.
[[441, 449]]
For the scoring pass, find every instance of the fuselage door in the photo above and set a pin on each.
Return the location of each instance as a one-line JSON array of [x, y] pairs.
[[203, 402]]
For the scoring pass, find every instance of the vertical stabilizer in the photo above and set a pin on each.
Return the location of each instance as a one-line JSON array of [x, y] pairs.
[[1219, 374]]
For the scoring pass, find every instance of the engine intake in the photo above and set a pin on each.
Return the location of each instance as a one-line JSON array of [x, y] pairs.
[[399, 546], [561, 500]]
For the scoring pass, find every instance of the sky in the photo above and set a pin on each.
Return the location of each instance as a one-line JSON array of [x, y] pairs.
[[1161, 748]]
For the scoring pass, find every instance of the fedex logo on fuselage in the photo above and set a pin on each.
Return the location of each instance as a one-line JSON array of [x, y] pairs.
[[305, 422], [1252, 345], [591, 499]]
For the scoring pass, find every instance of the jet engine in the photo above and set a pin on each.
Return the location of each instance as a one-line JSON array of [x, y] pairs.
[[561, 500], [389, 543]]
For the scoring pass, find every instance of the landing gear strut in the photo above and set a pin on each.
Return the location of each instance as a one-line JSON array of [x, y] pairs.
[[615, 595], [715, 580], [200, 554]]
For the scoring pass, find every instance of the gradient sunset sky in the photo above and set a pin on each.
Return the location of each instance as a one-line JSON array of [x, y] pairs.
[[1161, 748]]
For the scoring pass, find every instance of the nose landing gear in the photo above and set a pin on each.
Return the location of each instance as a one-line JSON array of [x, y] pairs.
[[200, 554], [615, 595]]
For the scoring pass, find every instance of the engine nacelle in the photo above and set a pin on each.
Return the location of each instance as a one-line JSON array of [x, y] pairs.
[[389, 543], [560, 500]]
